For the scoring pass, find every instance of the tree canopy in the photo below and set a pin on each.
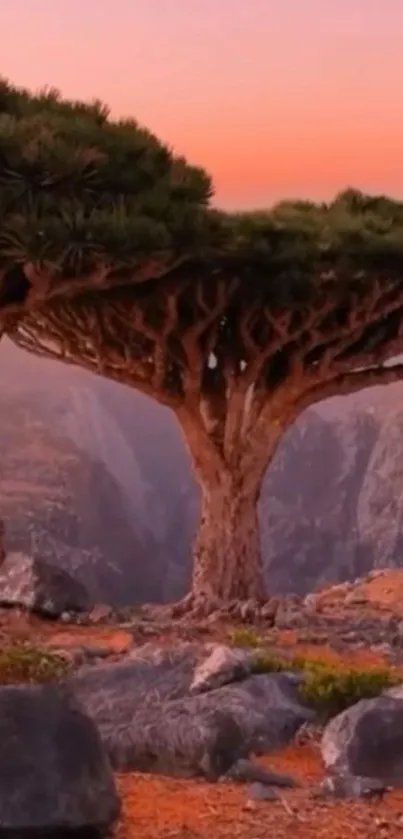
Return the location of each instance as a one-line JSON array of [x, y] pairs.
[[83, 196], [99, 202], [100, 212]]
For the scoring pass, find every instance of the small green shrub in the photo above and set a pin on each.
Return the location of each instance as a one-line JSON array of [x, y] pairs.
[[332, 692], [327, 687], [23, 664], [244, 637], [267, 663]]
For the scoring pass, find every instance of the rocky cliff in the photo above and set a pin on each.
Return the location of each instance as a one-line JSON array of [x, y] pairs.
[[95, 477]]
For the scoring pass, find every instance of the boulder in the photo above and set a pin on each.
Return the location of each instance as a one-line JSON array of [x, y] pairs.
[[150, 720], [149, 676], [54, 774], [366, 741], [176, 739], [40, 587], [222, 666]]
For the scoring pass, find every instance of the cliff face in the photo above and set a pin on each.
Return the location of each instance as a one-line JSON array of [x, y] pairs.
[[61, 502], [95, 477]]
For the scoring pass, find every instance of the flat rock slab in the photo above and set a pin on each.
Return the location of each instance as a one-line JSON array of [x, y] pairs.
[[54, 773], [40, 587], [366, 741], [151, 720]]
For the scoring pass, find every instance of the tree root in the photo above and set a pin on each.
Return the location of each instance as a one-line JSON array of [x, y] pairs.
[[196, 606], [203, 605]]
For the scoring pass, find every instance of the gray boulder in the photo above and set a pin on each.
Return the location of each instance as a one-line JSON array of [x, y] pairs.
[[150, 720], [40, 587], [221, 666], [366, 741], [54, 774], [149, 677], [351, 786]]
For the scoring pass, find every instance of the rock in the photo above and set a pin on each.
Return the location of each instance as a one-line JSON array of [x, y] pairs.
[[269, 610], [352, 786], [309, 733], [355, 598], [290, 618], [150, 676], [311, 603], [100, 612], [66, 617], [260, 792], [150, 721], [54, 774], [40, 587], [223, 665], [376, 573], [248, 611], [246, 771], [366, 740], [179, 739], [395, 692]]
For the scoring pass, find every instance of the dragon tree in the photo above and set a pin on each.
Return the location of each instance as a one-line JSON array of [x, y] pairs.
[[112, 258]]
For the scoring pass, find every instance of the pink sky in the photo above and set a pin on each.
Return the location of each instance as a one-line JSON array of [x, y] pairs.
[[276, 98]]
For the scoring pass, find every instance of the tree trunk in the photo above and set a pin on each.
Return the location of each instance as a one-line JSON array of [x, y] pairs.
[[227, 555]]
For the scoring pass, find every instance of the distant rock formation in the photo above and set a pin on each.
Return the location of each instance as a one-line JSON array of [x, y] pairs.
[[94, 477]]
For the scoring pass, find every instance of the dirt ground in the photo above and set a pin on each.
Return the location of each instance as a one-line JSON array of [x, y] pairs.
[[162, 808], [158, 808]]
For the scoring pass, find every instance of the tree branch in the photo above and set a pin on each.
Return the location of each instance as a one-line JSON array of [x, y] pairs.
[[46, 285], [196, 356], [362, 314], [78, 336], [348, 383]]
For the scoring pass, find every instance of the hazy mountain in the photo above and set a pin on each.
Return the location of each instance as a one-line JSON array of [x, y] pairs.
[[95, 476]]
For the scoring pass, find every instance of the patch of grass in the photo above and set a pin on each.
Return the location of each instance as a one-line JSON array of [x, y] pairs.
[[328, 687], [23, 664], [244, 637]]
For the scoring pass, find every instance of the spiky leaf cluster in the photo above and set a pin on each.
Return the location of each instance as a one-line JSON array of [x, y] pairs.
[[78, 188]]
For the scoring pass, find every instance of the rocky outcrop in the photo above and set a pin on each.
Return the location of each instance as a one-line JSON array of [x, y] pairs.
[[54, 774], [61, 503], [40, 587], [150, 720]]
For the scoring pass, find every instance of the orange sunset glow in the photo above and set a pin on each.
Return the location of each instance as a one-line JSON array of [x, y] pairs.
[[276, 98]]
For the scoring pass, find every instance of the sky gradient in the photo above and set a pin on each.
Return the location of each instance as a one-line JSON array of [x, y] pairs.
[[275, 98]]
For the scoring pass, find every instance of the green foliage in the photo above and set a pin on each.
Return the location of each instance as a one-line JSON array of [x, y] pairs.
[[332, 691], [328, 687], [76, 186], [244, 636], [299, 240], [22, 664]]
